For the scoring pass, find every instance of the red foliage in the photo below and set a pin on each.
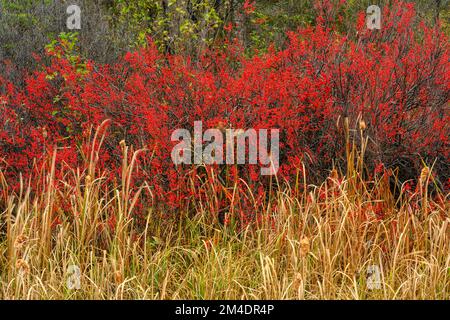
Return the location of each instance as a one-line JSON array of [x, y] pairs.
[[396, 79]]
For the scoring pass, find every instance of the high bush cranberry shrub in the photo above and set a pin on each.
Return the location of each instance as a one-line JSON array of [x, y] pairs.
[[394, 80]]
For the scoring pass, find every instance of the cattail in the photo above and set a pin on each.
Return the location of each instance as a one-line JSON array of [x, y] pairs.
[[118, 277], [304, 246], [334, 174], [20, 240], [424, 174], [23, 266], [297, 280], [362, 125]]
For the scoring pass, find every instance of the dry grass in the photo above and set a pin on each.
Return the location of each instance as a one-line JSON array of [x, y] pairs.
[[314, 245]]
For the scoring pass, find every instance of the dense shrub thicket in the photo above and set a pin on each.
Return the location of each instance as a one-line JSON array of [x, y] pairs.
[[392, 83]]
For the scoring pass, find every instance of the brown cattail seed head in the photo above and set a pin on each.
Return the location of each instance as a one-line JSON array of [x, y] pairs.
[[118, 277], [304, 246], [20, 240], [23, 266], [334, 174], [362, 125], [424, 174], [297, 280]]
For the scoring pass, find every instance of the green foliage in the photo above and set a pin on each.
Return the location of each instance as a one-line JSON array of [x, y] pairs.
[[66, 45], [272, 18], [175, 25]]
